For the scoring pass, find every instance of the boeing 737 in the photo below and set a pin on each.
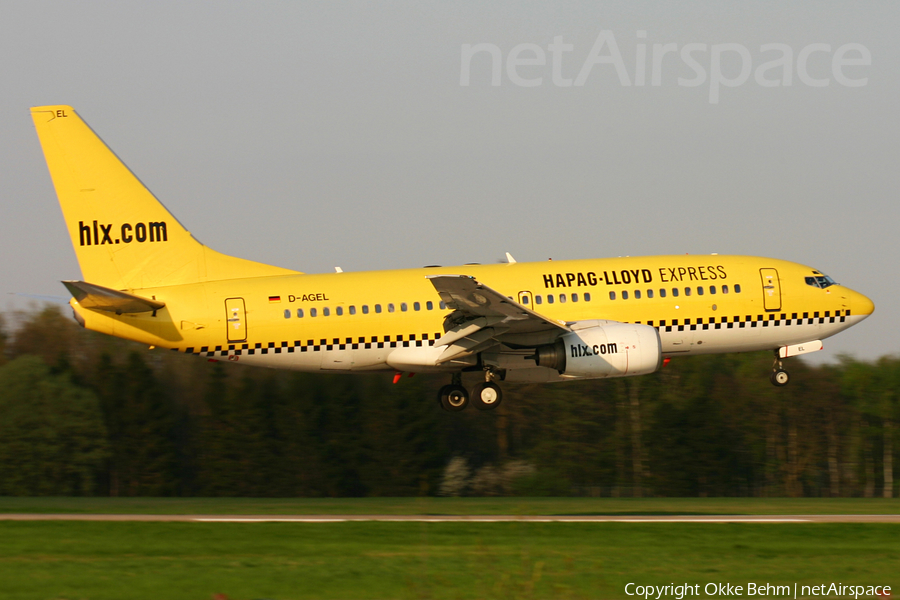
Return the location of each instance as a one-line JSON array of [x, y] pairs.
[[145, 278]]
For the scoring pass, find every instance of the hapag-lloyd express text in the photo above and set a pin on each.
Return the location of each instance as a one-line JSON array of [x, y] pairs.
[[628, 276]]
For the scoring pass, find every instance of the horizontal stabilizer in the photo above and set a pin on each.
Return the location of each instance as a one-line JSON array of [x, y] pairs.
[[98, 297]]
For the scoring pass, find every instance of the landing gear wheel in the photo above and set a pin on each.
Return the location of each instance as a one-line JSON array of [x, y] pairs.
[[780, 377], [453, 397], [486, 396]]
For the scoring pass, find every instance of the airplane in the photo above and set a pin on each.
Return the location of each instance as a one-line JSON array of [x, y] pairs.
[[147, 279]]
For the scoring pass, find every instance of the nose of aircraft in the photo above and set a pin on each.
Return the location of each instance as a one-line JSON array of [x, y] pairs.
[[861, 305]]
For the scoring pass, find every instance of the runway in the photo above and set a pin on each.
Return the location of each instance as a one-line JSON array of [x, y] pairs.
[[458, 518]]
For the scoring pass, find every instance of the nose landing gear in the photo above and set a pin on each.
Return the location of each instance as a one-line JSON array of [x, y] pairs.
[[779, 376]]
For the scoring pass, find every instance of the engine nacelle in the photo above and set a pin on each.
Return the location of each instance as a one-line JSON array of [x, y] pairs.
[[596, 349]]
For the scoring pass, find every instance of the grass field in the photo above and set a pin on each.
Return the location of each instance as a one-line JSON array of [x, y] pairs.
[[174, 561], [66, 560], [454, 506]]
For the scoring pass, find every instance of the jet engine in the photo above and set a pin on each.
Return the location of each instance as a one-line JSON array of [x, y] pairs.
[[596, 349]]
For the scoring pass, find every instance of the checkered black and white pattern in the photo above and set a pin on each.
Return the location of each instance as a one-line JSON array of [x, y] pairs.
[[426, 339]]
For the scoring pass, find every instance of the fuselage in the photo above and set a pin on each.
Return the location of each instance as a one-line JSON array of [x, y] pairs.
[[146, 278], [356, 321]]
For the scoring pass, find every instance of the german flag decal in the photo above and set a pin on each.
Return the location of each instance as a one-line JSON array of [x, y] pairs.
[[274, 298]]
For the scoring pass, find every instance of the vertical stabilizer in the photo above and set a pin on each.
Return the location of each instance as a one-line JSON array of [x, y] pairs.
[[123, 236]]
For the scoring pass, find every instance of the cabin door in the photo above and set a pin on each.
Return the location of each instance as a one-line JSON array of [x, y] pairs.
[[236, 320], [771, 289]]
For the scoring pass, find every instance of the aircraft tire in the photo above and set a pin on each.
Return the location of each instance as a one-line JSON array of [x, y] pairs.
[[780, 378], [486, 396], [440, 396], [454, 397]]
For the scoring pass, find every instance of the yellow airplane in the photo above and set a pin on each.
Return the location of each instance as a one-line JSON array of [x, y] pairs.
[[147, 279]]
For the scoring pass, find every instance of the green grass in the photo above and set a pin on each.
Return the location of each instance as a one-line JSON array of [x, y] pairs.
[[279, 561], [124, 561], [453, 506]]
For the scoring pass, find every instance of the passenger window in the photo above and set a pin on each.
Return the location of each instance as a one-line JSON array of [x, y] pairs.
[[637, 294], [417, 306], [339, 310], [562, 298], [587, 296], [287, 313], [612, 295], [549, 298], [429, 305], [443, 305], [687, 291], [312, 312], [390, 307], [724, 289], [377, 308], [326, 311], [299, 313], [712, 289], [700, 290], [538, 300], [625, 295], [403, 307], [674, 292], [662, 292], [365, 308], [574, 297], [649, 293], [352, 310], [737, 288]]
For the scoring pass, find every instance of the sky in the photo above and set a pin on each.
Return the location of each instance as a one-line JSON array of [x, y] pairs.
[[378, 135]]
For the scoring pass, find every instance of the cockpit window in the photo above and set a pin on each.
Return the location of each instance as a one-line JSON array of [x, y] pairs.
[[820, 281]]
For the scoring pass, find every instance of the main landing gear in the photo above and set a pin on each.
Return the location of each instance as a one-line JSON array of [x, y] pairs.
[[453, 397], [484, 396], [779, 376]]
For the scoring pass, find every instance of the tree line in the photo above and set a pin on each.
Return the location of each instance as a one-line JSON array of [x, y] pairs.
[[86, 414]]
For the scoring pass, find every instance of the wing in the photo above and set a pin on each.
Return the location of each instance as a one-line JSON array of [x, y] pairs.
[[483, 317]]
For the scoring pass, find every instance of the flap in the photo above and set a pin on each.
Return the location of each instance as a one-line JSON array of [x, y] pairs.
[[478, 307]]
